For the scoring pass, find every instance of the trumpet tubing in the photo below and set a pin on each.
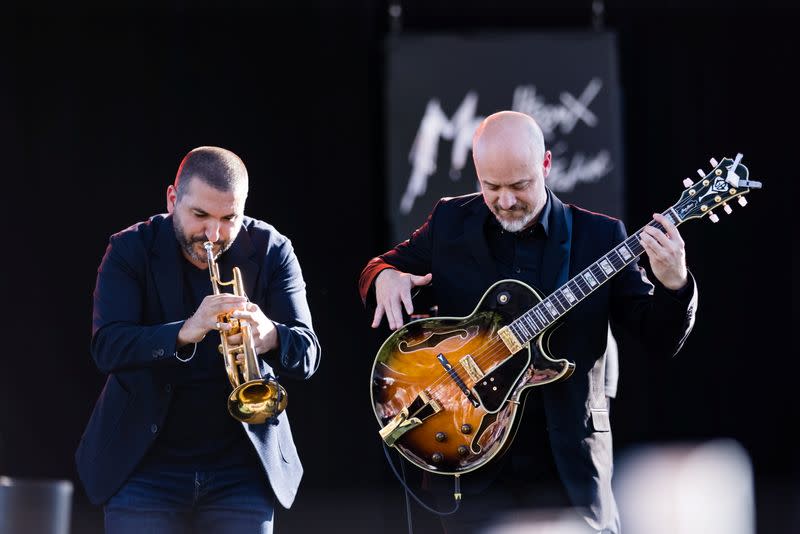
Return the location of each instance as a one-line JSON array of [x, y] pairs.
[[254, 399]]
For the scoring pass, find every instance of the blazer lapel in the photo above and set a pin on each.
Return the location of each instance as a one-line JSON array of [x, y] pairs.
[[555, 263], [166, 270]]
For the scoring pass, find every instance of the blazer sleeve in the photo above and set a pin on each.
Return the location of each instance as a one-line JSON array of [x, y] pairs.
[[284, 302], [660, 318], [411, 256], [120, 340]]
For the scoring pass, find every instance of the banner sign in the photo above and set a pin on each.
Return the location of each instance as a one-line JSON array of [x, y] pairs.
[[440, 87]]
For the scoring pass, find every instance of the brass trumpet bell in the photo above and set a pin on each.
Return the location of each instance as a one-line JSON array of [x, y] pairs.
[[253, 401]]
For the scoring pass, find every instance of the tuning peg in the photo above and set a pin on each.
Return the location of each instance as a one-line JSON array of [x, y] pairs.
[[687, 182], [713, 217], [701, 173], [727, 208], [713, 162], [742, 201]]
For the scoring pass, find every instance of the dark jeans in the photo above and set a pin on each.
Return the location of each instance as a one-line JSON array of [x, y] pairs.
[[232, 500]]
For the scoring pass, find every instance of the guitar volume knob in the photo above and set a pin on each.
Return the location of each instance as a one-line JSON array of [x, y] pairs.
[[437, 457], [463, 450], [440, 436], [466, 428]]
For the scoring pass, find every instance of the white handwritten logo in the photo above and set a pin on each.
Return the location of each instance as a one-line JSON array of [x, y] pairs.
[[565, 116], [565, 174], [425, 149]]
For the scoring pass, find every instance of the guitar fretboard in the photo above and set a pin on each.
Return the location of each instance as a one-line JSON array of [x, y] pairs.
[[545, 313]]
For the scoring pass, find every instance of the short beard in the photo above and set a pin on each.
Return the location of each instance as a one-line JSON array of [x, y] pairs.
[[187, 243], [514, 225]]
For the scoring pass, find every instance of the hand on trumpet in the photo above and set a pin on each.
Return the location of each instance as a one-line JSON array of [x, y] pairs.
[[265, 335], [205, 319]]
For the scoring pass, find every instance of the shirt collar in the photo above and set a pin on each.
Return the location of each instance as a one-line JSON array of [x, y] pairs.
[[542, 225]]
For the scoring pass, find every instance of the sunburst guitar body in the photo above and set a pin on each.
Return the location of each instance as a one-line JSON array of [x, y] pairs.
[[447, 391]]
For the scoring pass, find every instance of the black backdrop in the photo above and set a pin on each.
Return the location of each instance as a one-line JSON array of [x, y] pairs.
[[97, 105]]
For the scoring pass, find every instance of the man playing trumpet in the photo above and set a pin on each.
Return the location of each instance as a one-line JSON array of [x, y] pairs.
[[161, 452]]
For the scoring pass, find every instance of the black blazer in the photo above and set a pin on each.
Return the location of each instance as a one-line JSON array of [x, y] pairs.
[[138, 311], [451, 245]]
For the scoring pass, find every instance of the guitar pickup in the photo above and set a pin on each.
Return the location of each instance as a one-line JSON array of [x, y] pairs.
[[511, 342], [472, 369], [410, 417]]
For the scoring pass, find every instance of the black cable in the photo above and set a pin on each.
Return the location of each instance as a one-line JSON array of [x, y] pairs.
[[456, 488], [408, 501]]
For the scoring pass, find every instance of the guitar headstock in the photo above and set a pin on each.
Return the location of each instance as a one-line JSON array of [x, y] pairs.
[[726, 181]]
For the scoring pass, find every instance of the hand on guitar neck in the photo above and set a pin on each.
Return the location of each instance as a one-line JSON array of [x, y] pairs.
[[666, 253], [392, 293]]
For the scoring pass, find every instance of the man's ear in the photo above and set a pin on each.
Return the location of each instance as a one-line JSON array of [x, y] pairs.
[[172, 198], [547, 163]]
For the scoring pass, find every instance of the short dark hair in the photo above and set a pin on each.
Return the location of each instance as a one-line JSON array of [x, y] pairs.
[[220, 168]]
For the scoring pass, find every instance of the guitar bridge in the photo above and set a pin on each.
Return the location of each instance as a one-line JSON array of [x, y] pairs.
[[410, 417]]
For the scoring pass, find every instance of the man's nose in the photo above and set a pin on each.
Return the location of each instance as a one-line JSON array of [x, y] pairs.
[[212, 231], [507, 200]]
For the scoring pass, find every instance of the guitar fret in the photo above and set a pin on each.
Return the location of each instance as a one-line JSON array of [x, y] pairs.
[[598, 272], [530, 323], [567, 293], [671, 216], [624, 253], [634, 244], [590, 279], [542, 317], [616, 260], [557, 302], [550, 308], [576, 287], [606, 266], [515, 330], [524, 328], [534, 319]]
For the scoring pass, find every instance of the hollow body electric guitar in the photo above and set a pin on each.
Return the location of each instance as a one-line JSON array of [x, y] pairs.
[[447, 391]]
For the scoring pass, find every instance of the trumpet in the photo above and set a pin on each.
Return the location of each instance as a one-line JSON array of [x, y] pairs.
[[254, 399]]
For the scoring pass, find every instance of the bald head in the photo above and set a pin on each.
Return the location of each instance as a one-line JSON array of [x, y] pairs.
[[511, 163], [510, 136]]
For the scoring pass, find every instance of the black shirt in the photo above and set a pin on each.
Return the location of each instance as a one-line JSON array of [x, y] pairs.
[[518, 255], [198, 432]]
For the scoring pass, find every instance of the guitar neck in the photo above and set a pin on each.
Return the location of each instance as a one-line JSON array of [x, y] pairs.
[[550, 309]]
